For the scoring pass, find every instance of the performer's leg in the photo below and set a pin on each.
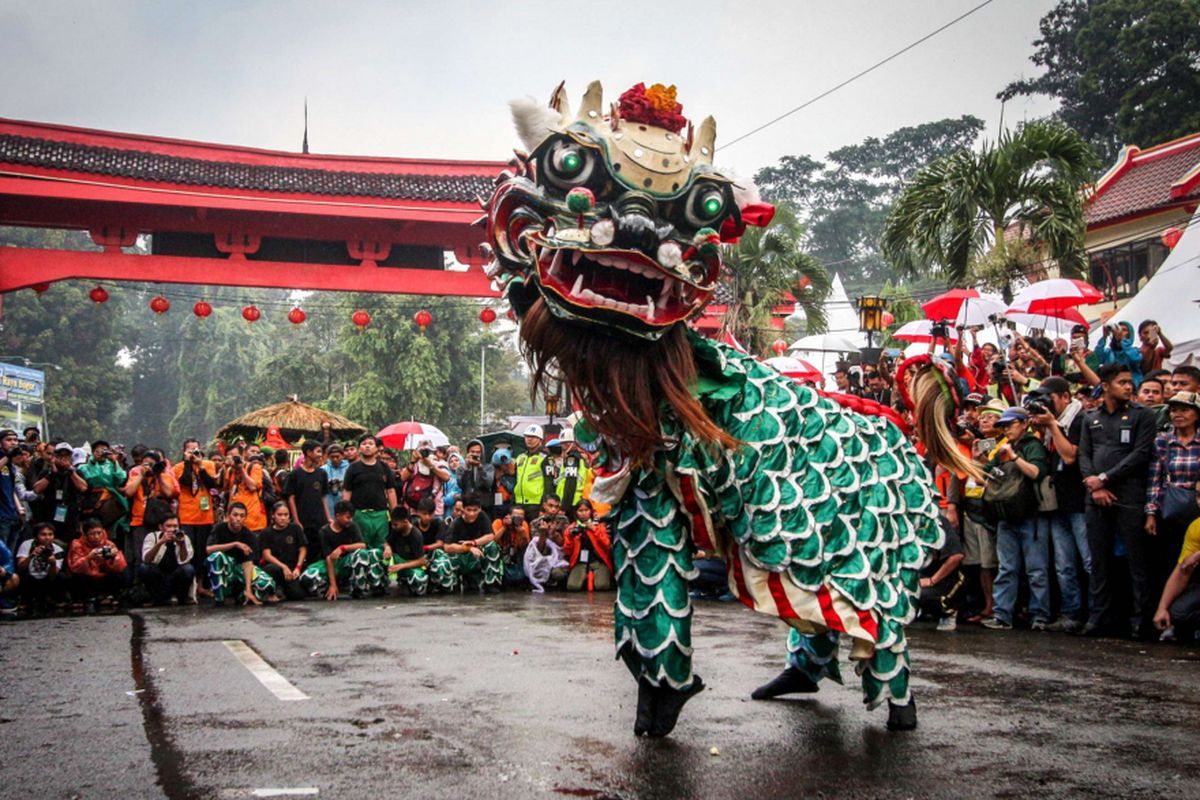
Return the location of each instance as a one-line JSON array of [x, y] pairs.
[[441, 571], [221, 571], [810, 658], [493, 567], [885, 677], [315, 579]]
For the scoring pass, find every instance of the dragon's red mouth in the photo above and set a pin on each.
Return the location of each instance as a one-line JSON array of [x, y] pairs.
[[623, 281]]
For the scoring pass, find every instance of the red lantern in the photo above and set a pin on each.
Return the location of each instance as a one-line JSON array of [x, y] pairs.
[[805, 282], [1171, 237], [297, 316], [99, 295], [779, 347], [511, 315], [888, 318], [361, 318], [40, 287], [202, 309], [251, 313], [422, 318], [160, 305], [487, 316]]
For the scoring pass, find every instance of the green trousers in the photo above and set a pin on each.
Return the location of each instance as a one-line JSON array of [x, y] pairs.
[[226, 579], [474, 572], [884, 675], [362, 569]]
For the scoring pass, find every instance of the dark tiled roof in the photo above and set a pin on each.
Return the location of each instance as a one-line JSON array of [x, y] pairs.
[[161, 168], [1145, 185]]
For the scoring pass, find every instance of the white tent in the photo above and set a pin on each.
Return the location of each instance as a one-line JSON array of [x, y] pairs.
[[1170, 298], [842, 320]]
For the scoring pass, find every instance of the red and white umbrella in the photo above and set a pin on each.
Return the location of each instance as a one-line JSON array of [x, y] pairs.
[[795, 368], [1054, 296], [967, 307], [1053, 325], [407, 435], [920, 331]]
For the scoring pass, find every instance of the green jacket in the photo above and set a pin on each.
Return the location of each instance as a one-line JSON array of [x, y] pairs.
[[531, 479]]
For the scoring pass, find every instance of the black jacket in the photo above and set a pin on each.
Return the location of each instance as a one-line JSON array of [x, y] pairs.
[[1119, 445]]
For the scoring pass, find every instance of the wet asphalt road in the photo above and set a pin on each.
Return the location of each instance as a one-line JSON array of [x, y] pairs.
[[518, 696]]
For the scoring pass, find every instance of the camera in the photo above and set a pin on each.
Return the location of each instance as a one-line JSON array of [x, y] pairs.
[[237, 460], [197, 452], [940, 329], [1034, 404], [425, 452], [107, 551], [159, 467]]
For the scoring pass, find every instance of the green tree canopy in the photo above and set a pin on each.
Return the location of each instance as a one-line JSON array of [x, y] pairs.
[[959, 208], [1125, 71]]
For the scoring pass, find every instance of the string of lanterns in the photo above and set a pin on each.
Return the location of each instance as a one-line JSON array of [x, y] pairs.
[[296, 315]]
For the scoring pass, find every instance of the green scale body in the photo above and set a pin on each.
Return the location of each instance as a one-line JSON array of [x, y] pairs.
[[823, 516]]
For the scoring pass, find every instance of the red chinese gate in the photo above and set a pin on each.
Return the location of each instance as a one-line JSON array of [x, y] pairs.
[[236, 216]]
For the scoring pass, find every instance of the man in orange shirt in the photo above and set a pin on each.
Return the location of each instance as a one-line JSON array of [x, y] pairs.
[[197, 478], [244, 477], [152, 479]]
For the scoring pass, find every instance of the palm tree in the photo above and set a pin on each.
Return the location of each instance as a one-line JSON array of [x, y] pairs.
[[766, 264], [954, 212]]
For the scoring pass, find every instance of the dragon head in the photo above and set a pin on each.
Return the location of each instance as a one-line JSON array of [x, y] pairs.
[[614, 217]]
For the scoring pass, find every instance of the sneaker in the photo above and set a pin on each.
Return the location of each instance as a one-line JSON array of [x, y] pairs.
[[1168, 635], [997, 624], [1038, 625], [1065, 625], [947, 624]]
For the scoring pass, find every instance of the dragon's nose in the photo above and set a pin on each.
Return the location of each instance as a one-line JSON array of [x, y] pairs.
[[636, 229]]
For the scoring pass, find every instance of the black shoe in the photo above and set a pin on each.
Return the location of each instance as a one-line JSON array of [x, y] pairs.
[[1092, 630], [790, 681], [668, 703], [645, 708], [902, 718]]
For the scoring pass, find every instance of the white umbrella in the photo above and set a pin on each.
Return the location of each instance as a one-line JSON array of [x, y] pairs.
[[921, 330], [795, 368], [1055, 295], [824, 343], [977, 311]]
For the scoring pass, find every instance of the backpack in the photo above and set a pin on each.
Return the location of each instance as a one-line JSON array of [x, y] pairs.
[[1009, 495], [418, 488]]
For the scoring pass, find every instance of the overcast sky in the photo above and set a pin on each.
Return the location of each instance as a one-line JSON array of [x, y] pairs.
[[431, 79]]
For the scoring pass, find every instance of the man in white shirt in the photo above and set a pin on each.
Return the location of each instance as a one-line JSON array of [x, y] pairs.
[[166, 569]]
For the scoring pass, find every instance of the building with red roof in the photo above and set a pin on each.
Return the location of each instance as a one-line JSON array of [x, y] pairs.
[[1143, 195]]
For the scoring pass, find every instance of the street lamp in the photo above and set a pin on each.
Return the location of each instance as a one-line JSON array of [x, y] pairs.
[[551, 407], [870, 320]]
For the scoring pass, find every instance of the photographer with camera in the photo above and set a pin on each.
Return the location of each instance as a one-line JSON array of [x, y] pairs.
[[166, 569], [40, 567], [97, 568], [574, 474], [150, 488], [544, 561], [244, 480], [1020, 463], [424, 477], [588, 550], [197, 479], [512, 537], [59, 488], [479, 477], [1059, 418]]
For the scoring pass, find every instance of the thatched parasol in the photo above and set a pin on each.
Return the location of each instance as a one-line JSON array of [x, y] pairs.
[[294, 419]]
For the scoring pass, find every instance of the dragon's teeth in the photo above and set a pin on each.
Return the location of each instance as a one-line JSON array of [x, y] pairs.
[[556, 263], [649, 308], [578, 287], [575, 256]]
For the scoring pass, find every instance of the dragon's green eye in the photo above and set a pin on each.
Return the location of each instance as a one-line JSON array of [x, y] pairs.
[[568, 164], [706, 204]]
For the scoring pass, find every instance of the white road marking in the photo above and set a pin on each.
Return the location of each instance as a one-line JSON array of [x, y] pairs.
[[299, 791], [267, 676]]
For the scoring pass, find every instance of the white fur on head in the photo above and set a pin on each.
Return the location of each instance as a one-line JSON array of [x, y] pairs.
[[535, 121], [745, 190]]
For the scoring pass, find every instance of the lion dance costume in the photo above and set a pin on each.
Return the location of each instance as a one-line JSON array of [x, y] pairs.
[[606, 235]]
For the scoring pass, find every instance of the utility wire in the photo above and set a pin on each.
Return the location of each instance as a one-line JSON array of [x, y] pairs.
[[855, 77]]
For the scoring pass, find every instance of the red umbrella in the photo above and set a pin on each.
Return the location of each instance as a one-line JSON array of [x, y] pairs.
[[406, 435], [1055, 295], [946, 306], [921, 331]]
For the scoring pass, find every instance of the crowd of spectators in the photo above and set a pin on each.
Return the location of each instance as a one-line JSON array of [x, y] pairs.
[[1086, 521], [84, 528]]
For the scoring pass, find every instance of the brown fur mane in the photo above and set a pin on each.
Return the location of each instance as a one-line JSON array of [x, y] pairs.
[[621, 383]]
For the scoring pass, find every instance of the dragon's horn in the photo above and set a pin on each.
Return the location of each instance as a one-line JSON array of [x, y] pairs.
[[591, 109]]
